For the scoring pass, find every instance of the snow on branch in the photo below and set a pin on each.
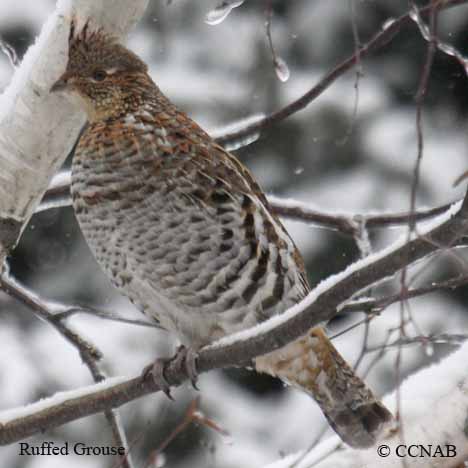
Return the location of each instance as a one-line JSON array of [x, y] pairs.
[[348, 223], [434, 415], [239, 349], [37, 129]]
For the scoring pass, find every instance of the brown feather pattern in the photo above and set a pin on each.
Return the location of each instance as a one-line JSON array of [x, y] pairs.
[[183, 229]]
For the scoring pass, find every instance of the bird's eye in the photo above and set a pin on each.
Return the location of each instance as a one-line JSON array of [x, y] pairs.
[[99, 75]]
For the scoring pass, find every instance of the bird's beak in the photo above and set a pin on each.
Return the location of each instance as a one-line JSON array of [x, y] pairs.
[[60, 85]]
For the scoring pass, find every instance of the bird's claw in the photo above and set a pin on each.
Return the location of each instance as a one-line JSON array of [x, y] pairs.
[[184, 357], [156, 372], [188, 358], [191, 367]]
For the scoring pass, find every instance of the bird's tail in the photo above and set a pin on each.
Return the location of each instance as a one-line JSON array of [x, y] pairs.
[[313, 365]]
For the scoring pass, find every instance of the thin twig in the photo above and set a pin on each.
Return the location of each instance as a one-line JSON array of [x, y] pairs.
[[311, 446], [349, 328], [420, 97], [379, 355], [182, 426], [365, 342], [281, 69], [359, 71], [376, 306], [452, 339], [10, 52], [74, 310], [192, 415], [41, 309]]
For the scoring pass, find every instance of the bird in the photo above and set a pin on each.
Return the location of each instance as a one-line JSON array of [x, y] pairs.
[[182, 228]]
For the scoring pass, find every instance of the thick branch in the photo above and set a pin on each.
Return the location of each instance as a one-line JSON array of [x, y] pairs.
[[239, 350]]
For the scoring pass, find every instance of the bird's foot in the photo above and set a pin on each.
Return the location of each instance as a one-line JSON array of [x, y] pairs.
[[184, 358], [155, 371], [187, 358]]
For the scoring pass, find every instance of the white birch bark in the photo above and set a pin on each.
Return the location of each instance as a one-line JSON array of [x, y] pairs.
[[37, 129]]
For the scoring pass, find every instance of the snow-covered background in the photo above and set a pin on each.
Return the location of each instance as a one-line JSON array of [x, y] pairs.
[[220, 74]]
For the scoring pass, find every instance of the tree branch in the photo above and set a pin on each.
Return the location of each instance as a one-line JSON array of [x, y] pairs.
[[451, 339], [239, 349], [380, 39], [89, 354], [375, 306], [58, 195], [348, 224]]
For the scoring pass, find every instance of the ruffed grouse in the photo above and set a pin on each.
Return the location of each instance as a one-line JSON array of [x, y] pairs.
[[183, 229]]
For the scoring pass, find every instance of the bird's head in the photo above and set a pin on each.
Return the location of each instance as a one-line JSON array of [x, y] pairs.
[[108, 79]]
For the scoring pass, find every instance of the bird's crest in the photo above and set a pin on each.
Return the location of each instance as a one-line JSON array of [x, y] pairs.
[[88, 46], [86, 37]]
